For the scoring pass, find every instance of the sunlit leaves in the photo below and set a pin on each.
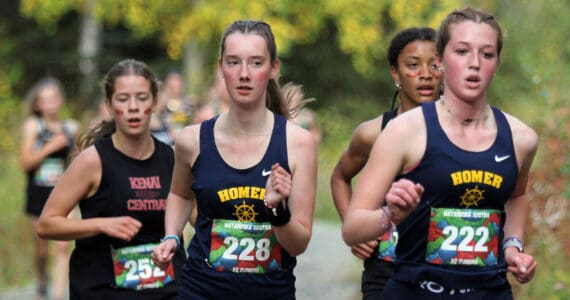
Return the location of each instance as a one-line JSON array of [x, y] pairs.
[[295, 22], [364, 26], [47, 13]]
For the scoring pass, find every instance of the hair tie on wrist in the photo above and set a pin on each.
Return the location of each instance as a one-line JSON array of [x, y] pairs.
[[386, 218], [171, 237], [278, 216]]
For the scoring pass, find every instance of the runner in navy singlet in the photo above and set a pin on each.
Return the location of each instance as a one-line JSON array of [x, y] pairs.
[[120, 180], [411, 57], [252, 174], [462, 168]]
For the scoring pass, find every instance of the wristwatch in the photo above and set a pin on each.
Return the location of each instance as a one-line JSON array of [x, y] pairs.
[[513, 242]]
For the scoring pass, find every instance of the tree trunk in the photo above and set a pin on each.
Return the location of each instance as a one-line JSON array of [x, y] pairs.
[[194, 68], [89, 44]]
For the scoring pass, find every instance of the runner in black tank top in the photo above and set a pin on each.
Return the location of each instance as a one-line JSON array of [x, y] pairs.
[[129, 187], [120, 180]]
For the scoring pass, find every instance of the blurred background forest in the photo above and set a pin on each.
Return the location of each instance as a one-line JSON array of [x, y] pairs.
[[335, 48]]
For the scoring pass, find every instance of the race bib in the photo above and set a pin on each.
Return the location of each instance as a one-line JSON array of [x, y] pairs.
[[135, 270], [244, 247], [387, 245], [463, 237], [49, 172]]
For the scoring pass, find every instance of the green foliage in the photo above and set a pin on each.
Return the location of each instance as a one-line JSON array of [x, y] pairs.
[[9, 131], [363, 25], [356, 35], [9, 74], [338, 121], [330, 73], [16, 235], [48, 12], [551, 280]]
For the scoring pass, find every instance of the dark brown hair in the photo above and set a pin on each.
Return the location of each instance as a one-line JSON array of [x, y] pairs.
[[106, 127], [276, 101]]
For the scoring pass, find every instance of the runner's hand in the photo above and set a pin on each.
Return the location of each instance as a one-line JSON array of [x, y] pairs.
[[403, 196], [522, 265], [57, 142], [163, 253], [278, 186], [364, 251], [124, 228]]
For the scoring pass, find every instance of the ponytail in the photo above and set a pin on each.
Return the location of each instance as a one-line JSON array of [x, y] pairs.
[[275, 101], [394, 99], [295, 98], [95, 132]]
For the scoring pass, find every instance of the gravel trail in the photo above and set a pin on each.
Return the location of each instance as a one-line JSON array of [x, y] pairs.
[[327, 270]]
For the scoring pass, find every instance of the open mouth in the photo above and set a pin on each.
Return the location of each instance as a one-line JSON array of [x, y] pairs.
[[425, 90], [134, 122], [473, 78]]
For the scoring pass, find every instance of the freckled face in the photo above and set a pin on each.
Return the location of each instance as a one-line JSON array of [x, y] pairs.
[[132, 104], [470, 60], [246, 67], [417, 73]]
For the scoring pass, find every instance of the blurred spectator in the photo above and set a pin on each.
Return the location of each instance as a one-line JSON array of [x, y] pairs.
[[47, 142], [162, 121], [217, 101], [180, 107]]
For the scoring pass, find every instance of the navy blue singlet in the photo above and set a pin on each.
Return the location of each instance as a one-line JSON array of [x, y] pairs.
[[235, 196], [465, 183]]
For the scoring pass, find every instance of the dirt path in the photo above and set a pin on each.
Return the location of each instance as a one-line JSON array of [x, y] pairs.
[[22, 293], [326, 270]]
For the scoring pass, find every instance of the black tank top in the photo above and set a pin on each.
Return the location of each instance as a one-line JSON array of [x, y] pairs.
[[129, 187], [41, 180]]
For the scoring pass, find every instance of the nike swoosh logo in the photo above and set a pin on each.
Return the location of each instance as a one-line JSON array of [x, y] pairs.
[[265, 173], [501, 158]]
